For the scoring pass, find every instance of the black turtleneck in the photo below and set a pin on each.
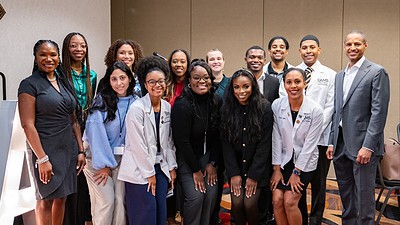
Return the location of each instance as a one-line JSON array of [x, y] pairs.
[[190, 120]]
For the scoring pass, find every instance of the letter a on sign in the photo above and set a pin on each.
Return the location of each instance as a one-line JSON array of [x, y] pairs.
[[17, 190]]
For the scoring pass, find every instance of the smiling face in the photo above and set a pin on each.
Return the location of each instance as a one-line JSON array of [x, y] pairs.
[[155, 84], [309, 52], [119, 82], [278, 51], [255, 60], [216, 61], [242, 89], [77, 48], [354, 47], [200, 80], [125, 54], [294, 84], [47, 58], [179, 64]]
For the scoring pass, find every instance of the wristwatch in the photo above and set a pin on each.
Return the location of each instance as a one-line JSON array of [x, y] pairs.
[[296, 172], [212, 163]]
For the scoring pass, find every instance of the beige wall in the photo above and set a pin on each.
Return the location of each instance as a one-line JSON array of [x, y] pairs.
[[27, 21], [234, 25]]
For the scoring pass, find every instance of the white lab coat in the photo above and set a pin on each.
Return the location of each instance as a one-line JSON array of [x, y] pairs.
[[139, 157], [302, 137]]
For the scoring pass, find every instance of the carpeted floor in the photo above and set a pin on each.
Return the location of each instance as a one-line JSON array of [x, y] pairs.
[[333, 207]]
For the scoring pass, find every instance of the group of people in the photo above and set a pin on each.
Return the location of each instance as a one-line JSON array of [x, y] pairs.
[[160, 136]]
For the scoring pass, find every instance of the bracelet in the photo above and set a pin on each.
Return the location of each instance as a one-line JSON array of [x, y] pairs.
[[42, 160], [82, 152]]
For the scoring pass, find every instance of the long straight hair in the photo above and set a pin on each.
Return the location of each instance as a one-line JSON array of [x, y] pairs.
[[232, 110], [107, 99]]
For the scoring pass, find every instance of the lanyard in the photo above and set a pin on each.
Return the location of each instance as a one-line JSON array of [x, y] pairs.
[[122, 123]]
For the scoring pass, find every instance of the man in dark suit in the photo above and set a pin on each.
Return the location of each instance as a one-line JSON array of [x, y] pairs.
[[269, 87], [356, 139]]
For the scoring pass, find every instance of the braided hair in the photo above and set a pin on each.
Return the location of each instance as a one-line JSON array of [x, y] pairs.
[[66, 59]]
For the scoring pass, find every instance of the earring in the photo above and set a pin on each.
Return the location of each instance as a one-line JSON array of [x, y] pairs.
[[189, 86]]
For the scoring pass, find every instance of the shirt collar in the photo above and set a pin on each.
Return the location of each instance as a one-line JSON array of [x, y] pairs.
[[82, 74], [272, 71], [262, 77], [355, 66], [315, 66]]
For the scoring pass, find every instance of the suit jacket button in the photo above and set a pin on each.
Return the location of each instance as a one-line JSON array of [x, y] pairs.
[[244, 160], [161, 161], [245, 174], [244, 145]]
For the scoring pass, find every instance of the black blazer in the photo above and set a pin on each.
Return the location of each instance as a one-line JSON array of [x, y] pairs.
[[271, 88], [248, 157]]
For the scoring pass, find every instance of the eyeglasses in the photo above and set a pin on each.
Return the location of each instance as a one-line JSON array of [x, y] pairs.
[[153, 82], [198, 78]]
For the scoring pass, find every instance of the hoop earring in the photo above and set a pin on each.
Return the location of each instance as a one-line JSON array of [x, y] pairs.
[[189, 86]]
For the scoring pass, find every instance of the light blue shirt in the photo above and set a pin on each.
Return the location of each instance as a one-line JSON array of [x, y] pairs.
[[103, 137]]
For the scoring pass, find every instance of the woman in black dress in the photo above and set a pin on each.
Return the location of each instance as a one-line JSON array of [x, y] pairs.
[[246, 133], [47, 108]]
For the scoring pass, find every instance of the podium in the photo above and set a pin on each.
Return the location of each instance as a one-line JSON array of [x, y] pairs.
[[17, 189]]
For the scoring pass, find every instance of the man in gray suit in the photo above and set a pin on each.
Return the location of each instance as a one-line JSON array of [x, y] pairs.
[[356, 139]]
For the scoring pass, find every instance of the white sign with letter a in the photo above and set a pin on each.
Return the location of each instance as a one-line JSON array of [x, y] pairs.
[[17, 190]]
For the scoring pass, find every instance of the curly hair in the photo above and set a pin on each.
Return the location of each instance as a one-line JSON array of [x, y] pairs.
[[231, 109], [66, 58], [148, 65], [111, 55], [172, 78], [107, 99]]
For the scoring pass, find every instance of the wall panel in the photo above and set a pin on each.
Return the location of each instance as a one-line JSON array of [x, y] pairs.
[[160, 26], [232, 26]]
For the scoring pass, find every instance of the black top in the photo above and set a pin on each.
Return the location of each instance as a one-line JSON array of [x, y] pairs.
[[250, 157], [191, 119], [271, 88]]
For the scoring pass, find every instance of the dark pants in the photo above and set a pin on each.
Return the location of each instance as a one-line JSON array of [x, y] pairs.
[[77, 206], [356, 186], [142, 207], [197, 207], [318, 189]]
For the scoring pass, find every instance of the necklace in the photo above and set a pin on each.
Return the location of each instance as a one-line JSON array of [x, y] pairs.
[[77, 68], [52, 79]]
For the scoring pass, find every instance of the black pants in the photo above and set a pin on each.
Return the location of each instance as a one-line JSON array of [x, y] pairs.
[[318, 189]]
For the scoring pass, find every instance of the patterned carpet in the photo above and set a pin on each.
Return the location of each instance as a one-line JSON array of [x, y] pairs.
[[333, 207]]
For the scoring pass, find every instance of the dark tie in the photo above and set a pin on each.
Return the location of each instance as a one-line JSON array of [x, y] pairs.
[[308, 72]]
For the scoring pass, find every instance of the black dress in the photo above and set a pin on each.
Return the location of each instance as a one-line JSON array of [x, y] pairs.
[[54, 125]]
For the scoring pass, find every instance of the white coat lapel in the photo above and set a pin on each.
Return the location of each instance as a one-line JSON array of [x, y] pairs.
[[164, 118], [150, 112], [300, 117]]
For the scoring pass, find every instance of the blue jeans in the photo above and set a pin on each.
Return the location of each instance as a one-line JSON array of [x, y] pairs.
[[142, 207]]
